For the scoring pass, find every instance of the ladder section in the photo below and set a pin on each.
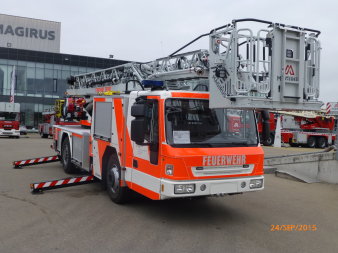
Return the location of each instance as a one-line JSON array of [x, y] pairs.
[[119, 79], [172, 69], [184, 66], [276, 67]]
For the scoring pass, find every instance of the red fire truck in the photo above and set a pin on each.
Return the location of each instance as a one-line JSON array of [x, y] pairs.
[[309, 129], [58, 115], [146, 128], [10, 119]]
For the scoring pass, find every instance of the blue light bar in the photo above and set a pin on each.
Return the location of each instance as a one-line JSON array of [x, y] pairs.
[[152, 83]]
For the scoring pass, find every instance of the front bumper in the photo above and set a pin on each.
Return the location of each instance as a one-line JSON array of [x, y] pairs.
[[11, 132], [212, 187]]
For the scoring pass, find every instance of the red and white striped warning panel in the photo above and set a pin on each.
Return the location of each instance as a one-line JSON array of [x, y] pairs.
[[33, 161], [61, 183], [332, 108], [328, 108]]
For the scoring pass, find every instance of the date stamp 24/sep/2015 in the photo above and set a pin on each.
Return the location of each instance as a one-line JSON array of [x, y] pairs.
[[294, 227]]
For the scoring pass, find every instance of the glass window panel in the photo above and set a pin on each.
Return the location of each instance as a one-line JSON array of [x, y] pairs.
[[48, 66], [31, 64], [65, 74], [31, 73], [82, 69], [74, 73], [39, 73], [57, 74], [49, 73], [21, 79], [57, 66], [3, 80], [22, 63], [11, 62], [30, 79], [40, 80], [74, 69], [65, 67]]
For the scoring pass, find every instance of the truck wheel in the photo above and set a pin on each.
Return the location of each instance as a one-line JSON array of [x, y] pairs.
[[43, 135], [68, 166], [292, 144], [321, 142], [269, 141], [311, 142], [112, 178]]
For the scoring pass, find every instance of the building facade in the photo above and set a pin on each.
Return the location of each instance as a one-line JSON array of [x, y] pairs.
[[41, 75]]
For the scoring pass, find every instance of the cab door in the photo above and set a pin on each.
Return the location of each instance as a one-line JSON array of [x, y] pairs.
[[146, 163]]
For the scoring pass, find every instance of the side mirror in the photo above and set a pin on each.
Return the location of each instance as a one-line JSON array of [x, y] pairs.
[[138, 110], [138, 125], [138, 130]]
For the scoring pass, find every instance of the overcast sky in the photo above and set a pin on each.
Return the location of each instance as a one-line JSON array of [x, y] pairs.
[[143, 30]]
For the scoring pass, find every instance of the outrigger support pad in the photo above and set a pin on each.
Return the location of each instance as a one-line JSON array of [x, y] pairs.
[[60, 183], [35, 161]]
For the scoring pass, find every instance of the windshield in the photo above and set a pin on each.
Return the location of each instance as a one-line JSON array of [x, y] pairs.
[[191, 123], [8, 116]]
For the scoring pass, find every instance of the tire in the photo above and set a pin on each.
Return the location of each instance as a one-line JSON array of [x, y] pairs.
[[43, 135], [269, 141], [292, 144], [66, 161], [112, 178], [311, 142], [321, 142]]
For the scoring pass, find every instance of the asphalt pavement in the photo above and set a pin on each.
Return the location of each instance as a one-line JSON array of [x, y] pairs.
[[287, 216]]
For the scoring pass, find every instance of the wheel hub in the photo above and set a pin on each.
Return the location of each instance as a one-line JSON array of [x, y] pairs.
[[113, 177], [65, 155]]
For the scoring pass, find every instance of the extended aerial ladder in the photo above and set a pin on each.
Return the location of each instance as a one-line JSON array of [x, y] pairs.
[[275, 68]]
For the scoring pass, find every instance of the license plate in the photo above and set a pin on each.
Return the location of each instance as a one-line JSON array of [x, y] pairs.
[[7, 132]]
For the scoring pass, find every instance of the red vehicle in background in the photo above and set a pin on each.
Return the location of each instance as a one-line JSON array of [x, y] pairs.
[[301, 129], [46, 128], [267, 132], [10, 119], [62, 113]]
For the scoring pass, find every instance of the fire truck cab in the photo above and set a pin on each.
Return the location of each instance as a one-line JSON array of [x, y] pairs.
[[165, 144]]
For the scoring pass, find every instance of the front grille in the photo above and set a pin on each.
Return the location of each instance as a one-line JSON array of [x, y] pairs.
[[204, 171]]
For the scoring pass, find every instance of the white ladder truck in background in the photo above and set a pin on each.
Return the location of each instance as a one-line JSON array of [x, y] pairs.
[[184, 125]]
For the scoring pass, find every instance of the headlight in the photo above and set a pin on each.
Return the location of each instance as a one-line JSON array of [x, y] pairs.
[[169, 169], [256, 183], [184, 188]]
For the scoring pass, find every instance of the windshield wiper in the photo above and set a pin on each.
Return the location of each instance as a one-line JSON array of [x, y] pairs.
[[197, 144], [237, 142]]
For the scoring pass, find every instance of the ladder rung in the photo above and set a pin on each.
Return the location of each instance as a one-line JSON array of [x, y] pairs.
[[291, 97], [292, 59], [292, 37], [292, 82]]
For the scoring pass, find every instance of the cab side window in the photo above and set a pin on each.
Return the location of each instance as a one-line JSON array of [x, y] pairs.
[[151, 133]]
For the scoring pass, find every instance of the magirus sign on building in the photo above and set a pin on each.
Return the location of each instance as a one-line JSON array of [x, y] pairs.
[[30, 34]]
